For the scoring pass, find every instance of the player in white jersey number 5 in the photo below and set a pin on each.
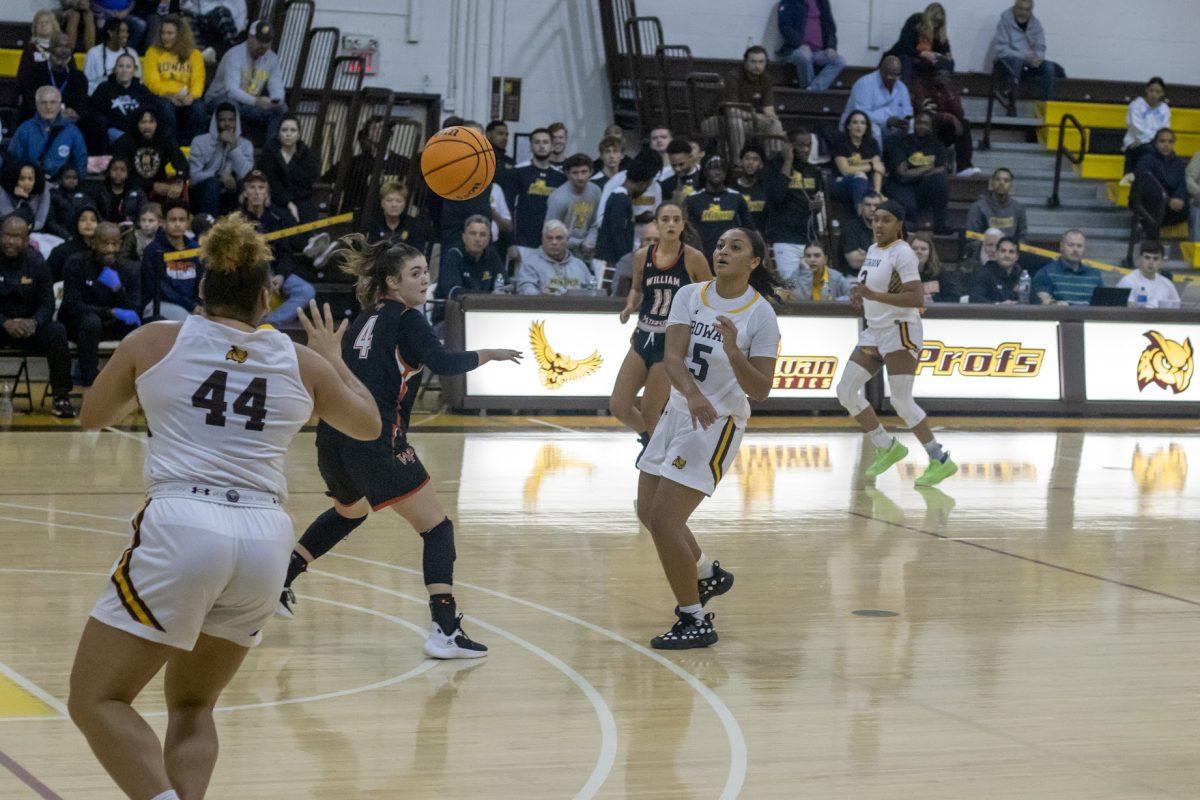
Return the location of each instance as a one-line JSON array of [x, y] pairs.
[[722, 339], [212, 541], [890, 295]]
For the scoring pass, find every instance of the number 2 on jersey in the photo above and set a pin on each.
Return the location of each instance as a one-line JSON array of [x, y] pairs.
[[362, 342], [251, 403]]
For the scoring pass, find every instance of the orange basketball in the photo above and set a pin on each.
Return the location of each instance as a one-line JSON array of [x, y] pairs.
[[458, 163]]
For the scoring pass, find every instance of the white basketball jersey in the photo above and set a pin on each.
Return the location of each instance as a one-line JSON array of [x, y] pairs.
[[885, 269], [222, 407], [698, 305]]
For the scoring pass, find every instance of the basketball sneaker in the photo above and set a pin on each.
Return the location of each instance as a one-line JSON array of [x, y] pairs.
[[720, 583], [884, 459], [455, 644], [286, 609], [937, 472], [687, 633]]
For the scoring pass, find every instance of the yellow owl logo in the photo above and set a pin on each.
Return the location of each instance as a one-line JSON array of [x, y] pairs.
[[1166, 363], [555, 368], [679, 463], [237, 354]]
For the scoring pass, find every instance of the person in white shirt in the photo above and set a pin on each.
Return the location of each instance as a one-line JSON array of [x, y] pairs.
[[721, 341], [1147, 115], [1148, 288], [890, 295], [102, 59]]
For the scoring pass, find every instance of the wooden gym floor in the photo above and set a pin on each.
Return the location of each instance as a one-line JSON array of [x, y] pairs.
[[1028, 631]]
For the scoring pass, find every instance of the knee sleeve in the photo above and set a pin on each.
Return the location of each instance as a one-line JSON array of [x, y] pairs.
[[438, 558], [851, 389], [902, 400], [326, 531]]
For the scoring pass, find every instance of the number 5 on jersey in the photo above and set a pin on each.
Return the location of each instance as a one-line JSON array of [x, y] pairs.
[[251, 403]]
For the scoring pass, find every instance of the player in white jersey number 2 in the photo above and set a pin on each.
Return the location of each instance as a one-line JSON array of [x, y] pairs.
[[890, 295], [722, 339], [211, 542]]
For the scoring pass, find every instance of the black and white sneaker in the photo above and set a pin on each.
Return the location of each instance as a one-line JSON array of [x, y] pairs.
[[63, 409], [287, 604], [687, 633], [720, 583], [455, 644]]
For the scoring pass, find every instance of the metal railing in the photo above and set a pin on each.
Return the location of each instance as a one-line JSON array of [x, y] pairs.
[[1061, 152], [994, 94]]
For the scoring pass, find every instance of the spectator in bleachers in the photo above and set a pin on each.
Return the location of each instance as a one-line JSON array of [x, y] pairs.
[[752, 86], [217, 23], [291, 168], [857, 159], [101, 298], [558, 143], [883, 98], [150, 149], [550, 268], [716, 208], [923, 47], [941, 286], [219, 161], [998, 280], [135, 240], [394, 220], [621, 279], [83, 228], [685, 177], [938, 95], [110, 12], [916, 165], [1148, 287], [996, 208], [497, 134], [660, 139], [23, 189], [37, 49], [751, 184], [250, 76], [79, 23], [59, 72], [576, 204], [1146, 116], [1019, 49], [612, 156], [1067, 280], [1161, 180], [65, 198], [173, 69], [629, 198], [101, 60], [1192, 178], [119, 199], [360, 166], [987, 250], [795, 196], [49, 140], [857, 235], [469, 268], [292, 291], [810, 41], [114, 106], [818, 283], [177, 282], [27, 309], [528, 188]]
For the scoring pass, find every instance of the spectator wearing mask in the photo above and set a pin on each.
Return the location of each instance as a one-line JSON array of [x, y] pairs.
[[916, 165], [497, 133], [528, 189], [937, 95], [996, 208], [810, 42], [118, 199], [857, 235], [1019, 49], [628, 199], [150, 149], [250, 76], [856, 156], [49, 140], [101, 60], [135, 240], [83, 228], [291, 168], [998, 281], [817, 282], [751, 184], [1067, 280], [883, 98], [27, 310], [795, 196], [23, 190], [219, 161], [923, 47], [612, 160], [173, 69], [394, 220], [716, 208], [551, 269], [114, 107], [177, 283], [685, 177], [101, 298], [1162, 183], [293, 291], [558, 144], [575, 204], [941, 286], [470, 268], [1146, 116], [37, 49], [217, 23], [751, 86], [59, 71], [1148, 287]]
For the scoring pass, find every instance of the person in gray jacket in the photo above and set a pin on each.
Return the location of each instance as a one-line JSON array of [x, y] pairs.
[[1019, 49], [996, 208], [550, 269], [218, 162], [250, 76], [576, 204]]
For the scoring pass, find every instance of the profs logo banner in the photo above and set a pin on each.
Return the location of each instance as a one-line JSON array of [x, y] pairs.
[[1140, 362]]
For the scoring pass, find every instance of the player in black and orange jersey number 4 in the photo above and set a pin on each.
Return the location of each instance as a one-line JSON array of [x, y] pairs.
[[386, 347]]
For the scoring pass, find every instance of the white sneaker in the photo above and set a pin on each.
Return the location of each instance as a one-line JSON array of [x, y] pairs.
[[969, 172], [285, 609], [455, 645], [1127, 179]]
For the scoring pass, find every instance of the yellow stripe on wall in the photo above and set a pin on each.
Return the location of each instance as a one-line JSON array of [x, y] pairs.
[[10, 59], [16, 702]]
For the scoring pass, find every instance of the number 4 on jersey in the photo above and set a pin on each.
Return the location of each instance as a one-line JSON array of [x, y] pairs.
[[362, 342], [251, 403]]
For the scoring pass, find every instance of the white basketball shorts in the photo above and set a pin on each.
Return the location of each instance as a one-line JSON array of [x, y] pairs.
[[696, 458], [889, 338]]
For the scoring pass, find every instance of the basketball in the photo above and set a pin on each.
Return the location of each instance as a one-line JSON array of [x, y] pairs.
[[458, 163]]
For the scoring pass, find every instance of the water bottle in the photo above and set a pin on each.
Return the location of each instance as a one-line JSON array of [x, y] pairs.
[[1023, 286], [498, 283], [6, 404], [1142, 296]]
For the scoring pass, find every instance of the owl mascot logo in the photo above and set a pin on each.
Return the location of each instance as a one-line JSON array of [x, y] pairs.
[[1166, 363]]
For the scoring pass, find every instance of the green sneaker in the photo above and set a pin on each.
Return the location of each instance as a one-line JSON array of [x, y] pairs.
[[884, 459], [937, 472]]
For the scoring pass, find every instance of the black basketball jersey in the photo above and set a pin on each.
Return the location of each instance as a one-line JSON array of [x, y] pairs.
[[658, 290]]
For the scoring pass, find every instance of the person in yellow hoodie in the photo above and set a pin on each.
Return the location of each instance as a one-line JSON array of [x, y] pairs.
[[173, 69]]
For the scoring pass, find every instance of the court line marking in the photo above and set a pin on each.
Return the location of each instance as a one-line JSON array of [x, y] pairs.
[[608, 726], [733, 731], [32, 688], [26, 777], [62, 511], [553, 425], [126, 434]]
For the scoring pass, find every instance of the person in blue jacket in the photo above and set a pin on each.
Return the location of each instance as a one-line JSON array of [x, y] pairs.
[[177, 282], [48, 139]]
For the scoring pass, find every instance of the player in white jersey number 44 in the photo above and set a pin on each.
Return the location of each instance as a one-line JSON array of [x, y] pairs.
[[890, 295]]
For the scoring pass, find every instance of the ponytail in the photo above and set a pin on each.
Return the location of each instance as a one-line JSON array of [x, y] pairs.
[[237, 267], [373, 264], [762, 279]]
